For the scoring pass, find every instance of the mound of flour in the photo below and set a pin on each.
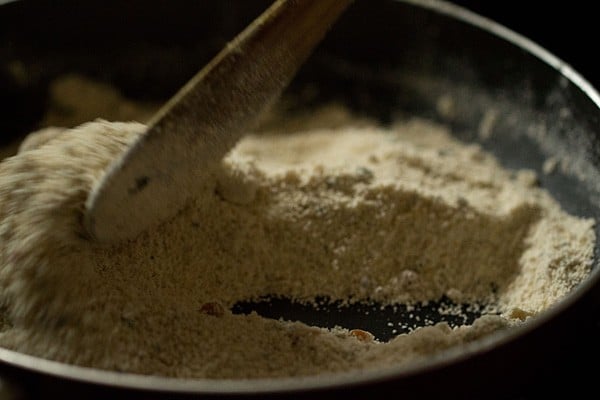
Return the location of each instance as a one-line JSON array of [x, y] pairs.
[[327, 206]]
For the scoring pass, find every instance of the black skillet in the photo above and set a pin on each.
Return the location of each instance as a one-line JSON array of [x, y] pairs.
[[385, 59]]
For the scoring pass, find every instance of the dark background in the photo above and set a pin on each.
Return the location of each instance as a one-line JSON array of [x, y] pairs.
[[568, 29]]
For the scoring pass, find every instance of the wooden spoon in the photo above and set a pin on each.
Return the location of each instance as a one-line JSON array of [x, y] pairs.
[[160, 172]]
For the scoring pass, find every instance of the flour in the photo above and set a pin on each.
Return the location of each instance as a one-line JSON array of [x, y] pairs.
[[74, 99], [326, 206]]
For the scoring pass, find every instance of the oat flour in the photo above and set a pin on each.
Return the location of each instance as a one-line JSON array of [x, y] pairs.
[[330, 205]]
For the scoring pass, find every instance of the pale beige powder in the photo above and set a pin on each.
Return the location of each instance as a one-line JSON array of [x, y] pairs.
[[325, 206]]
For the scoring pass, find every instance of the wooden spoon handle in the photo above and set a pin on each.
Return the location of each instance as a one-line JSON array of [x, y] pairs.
[[164, 168]]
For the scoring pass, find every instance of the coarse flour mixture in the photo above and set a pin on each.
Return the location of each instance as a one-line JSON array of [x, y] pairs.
[[328, 206]]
